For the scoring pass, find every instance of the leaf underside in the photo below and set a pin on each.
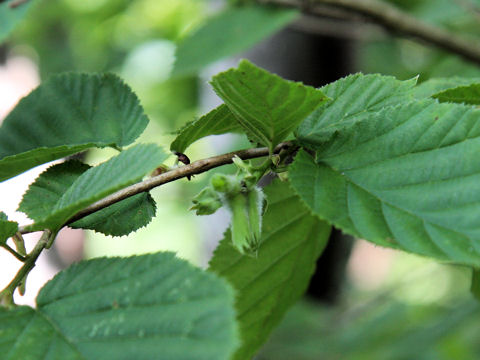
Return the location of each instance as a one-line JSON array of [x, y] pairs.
[[144, 307], [227, 33], [97, 182], [267, 285], [268, 107], [121, 218], [408, 178], [67, 114], [218, 121]]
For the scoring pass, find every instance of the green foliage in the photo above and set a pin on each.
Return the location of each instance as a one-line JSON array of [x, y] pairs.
[[469, 94], [355, 97], [7, 228], [227, 33], [218, 121], [11, 15], [382, 329], [67, 114], [143, 306], [48, 188], [437, 85], [242, 198], [268, 107], [375, 156], [118, 219], [405, 177], [206, 202], [94, 184], [268, 284]]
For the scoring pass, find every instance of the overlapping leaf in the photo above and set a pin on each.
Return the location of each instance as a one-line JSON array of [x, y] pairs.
[[144, 307], [66, 114], [227, 33], [11, 15], [266, 286], [267, 106], [355, 97], [7, 228], [218, 121], [407, 177], [122, 170], [118, 219], [432, 86], [469, 94], [48, 188], [121, 218]]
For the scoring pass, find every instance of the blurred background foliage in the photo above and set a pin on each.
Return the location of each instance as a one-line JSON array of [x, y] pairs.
[[393, 305]]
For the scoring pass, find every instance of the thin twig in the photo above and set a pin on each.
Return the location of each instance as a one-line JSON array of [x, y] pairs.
[[196, 167], [13, 252], [393, 19], [6, 295]]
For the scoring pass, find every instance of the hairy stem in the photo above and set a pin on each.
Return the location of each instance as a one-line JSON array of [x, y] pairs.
[[196, 167], [393, 19]]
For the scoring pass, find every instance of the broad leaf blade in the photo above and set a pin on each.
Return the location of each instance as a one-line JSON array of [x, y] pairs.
[[469, 94], [267, 106], [355, 97], [48, 188], [406, 178], [11, 16], [94, 184], [25, 332], [228, 33], [7, 228], [118, 219], [218, 121], [66, 114], [143, 307], [266, 286], [121, 218]]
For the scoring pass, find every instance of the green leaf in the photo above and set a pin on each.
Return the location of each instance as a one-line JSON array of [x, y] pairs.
[[469, 94], [475, 287], [66, 114], [11, 16], [121, 218], [94, 184], [266, 286], [118, 219], [7, 228], [48, 188], [436, 85], [355, 97], [228, 33], [267, 106], [407, 177], [218, 121], [143, 307]]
